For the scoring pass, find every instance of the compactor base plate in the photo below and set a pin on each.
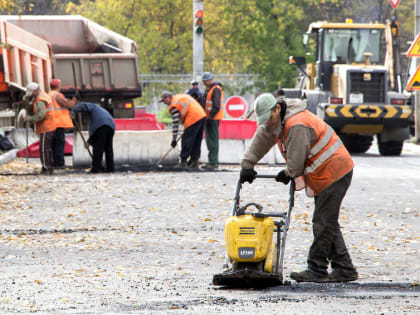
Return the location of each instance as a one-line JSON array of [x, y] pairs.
[[247, 279]]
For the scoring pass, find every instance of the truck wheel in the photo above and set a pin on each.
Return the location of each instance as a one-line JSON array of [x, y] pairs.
[[390, 148], [20, 122], [357, 143]]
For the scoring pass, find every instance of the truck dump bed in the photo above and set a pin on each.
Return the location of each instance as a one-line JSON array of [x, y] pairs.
[[102, 63]]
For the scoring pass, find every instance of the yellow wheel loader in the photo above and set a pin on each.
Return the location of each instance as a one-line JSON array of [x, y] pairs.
[[255, 244], [354, 83]]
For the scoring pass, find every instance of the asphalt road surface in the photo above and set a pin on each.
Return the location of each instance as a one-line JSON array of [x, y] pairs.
[[150, 242]]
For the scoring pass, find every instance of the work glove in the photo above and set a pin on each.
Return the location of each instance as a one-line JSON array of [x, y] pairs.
[[247, 175], [282, 177], [173, 143]]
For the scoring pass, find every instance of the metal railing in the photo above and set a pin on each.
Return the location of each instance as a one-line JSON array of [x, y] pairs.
[[153, 84]]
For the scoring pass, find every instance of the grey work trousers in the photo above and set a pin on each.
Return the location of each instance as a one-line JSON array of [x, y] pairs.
[[328, 245]]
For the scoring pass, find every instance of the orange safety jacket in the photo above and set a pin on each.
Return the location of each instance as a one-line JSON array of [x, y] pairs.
[[189, 109], [328, 160], [48, 123], [209, 103], [61, 114]]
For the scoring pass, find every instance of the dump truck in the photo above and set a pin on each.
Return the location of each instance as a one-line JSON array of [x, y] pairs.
[[354, 84], [100, 65]]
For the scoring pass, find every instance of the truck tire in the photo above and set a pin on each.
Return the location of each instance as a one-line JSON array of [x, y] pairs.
[[20, 122], [390, 148], [357, 143]]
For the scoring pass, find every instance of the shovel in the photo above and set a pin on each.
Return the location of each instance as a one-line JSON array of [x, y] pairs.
[[79, 130], [27, 141], [158, 164], [79, 123]]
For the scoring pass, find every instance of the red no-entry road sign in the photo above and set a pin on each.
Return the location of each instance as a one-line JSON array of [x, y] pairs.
[[236, 106], [394, 3]]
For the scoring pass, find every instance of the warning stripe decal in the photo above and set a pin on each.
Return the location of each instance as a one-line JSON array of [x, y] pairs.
[[368, 111]]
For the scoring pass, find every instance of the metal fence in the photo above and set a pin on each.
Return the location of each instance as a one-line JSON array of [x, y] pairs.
[[244, 85]]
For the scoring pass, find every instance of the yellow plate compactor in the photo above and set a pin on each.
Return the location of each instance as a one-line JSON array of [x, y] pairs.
[[255, 244]]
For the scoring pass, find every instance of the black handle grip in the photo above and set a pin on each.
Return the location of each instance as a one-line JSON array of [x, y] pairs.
[[266, 176]]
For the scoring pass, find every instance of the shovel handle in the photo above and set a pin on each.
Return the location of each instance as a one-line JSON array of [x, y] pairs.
[[167, 152]]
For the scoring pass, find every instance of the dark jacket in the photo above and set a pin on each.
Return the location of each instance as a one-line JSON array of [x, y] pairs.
[[98, 116], [215, 98], [195, 93]]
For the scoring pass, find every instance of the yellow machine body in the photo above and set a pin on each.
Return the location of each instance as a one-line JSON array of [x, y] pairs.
[[249, 239]]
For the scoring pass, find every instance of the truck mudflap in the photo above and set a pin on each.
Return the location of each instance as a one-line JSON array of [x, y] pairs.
[[369, 119]]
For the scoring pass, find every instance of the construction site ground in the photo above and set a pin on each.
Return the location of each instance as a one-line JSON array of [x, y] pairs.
[[150, 242]]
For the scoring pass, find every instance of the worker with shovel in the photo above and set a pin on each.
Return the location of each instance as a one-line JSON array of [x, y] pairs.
[[315, 159], [101, 134], [44, 120], [183, 107], [62, 120]]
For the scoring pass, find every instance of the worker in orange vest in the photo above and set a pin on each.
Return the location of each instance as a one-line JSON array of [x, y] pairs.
[[62, 120], [315, 159], [185, 108], [212, 102], [44, 120]]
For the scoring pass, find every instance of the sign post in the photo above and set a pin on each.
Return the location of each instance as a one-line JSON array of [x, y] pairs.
[[417, 61], [236, 106], [198, 39]]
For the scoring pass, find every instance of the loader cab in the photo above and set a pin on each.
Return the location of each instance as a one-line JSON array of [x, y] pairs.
[[344, 43]]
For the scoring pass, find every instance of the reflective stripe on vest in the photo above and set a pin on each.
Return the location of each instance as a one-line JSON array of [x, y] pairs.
[[324, 156], [321, 143], [209, 103], [328, 159], [61, 114], [189, 109], [184, 108], [48, 123]]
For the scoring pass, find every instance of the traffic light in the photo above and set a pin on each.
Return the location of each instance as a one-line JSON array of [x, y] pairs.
[[198, 21]]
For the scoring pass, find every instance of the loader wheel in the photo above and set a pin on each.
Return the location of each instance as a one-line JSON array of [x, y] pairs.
[[356, 143], [390, 148]]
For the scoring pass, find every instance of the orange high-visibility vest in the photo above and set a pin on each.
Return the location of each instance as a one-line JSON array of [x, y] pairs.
[[328, 160], [61, 114], [48, 123], [189, 109], [209, 103]]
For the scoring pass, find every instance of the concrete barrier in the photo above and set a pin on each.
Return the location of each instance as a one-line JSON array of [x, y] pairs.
[[232, 151], [131, 147], [147, 147]]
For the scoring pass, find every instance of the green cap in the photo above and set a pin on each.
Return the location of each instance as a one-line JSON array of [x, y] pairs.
[[263, 106]]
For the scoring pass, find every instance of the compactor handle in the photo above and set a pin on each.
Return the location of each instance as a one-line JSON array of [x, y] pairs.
[[236, 197], [241, 210], [266, 176]]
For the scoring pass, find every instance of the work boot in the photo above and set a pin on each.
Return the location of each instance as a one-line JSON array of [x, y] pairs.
[[182, 164], [46, 171], [210, 166], [309, 276], [338, 275], [193, 163]]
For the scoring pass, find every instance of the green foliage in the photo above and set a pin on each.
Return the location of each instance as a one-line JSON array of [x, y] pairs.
[[241, 36], [163, 116]]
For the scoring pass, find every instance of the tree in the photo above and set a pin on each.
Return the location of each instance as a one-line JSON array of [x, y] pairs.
[[240, 35], [34, 6], [161, 29]]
